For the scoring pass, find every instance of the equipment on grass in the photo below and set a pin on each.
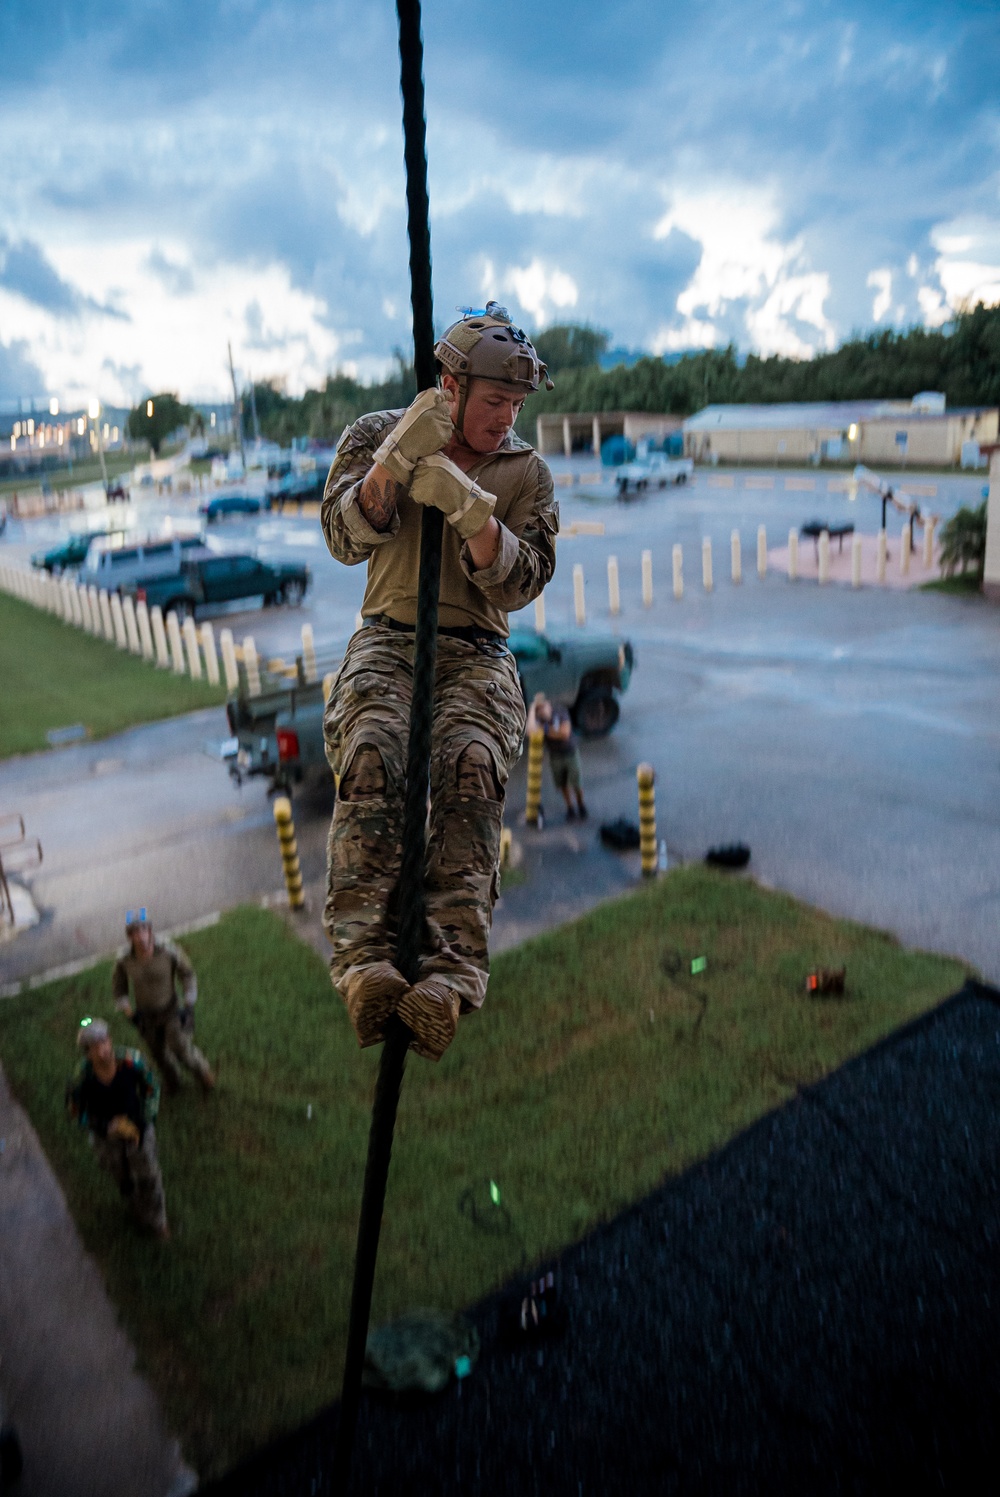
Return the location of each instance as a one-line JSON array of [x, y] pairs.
[[620, 835], [827, 982], [420, 1352], [732, 855]]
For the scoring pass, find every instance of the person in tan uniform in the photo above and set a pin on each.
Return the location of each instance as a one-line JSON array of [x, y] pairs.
[[152, 969], [453, 448]]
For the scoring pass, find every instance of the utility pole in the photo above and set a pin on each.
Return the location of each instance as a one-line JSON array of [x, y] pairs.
[[253, 411], [237, 408]]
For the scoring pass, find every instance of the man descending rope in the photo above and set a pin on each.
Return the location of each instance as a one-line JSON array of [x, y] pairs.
[[454, 448]]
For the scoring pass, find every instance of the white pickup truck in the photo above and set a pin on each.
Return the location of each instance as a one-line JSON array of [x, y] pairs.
[[656, 470]]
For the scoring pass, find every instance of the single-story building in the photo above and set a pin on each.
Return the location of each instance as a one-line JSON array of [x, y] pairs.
[[991, 571], [878, 433], [584, 432]]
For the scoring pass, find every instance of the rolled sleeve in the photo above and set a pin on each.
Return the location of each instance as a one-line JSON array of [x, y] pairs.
[[500, 570], [361, 535]]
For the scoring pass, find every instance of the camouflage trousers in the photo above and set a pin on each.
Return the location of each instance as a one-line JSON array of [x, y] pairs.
[[173, 1046], [136, 1171], [478, 727]]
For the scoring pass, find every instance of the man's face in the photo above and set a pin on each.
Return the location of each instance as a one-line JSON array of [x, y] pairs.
[[102, 1056], [142, 942], [490, 411]]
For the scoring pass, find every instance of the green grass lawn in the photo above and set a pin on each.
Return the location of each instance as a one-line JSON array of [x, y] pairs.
[[598, 1066], [963, 585], [84, 471], [55, 675]]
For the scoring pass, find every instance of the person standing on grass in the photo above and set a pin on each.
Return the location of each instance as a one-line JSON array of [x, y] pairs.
[[115, 1096], [563, 751], [152, 969]]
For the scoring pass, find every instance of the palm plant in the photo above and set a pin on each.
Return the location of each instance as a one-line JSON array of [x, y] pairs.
[[963, 542]]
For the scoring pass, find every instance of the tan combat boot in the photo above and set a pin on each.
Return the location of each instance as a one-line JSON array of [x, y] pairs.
[[371, 994], [430, 1009]]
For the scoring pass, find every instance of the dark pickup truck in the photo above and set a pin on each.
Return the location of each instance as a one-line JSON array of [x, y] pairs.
[[221, 579]]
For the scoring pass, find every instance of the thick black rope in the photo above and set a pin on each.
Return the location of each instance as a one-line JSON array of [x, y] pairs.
[[409, 900]]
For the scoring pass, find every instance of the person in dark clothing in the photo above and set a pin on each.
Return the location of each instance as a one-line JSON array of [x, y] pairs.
[[115, 1096], [563, 751]]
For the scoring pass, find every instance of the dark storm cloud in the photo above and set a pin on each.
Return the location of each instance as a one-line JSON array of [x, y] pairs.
[[25, 271], [20, 377]]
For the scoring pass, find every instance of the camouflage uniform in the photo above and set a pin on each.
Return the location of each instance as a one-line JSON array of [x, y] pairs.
[[134, 1167], [478, 712], [167, 1028]]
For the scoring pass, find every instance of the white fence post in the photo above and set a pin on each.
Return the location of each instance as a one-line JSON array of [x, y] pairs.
[[883, 555], [308, 653], [540, 613], [824, 557], [904, 551], [96, 621], [793, 554], [118, 622], [929, 525], [251, 666], [208, 650], [107, 623], [190, 634], [761, 552], [229, 662], [579, 603], [706, 564], [176, 644], [131, 626], [647, 579], [142, 623], [678, 560], [736, 556], [856, 561], [159, 637], [614, 596]]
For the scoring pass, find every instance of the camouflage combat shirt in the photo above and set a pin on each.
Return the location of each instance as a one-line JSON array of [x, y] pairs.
[[154, 981], [526, 510]]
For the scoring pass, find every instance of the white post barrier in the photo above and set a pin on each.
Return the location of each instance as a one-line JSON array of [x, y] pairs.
[[856, 561], [97, 623], [647, 579], [883, 555], [211, 658], [308, 653], [761, 552], [929, 525], [579, 604], [824, 557], [540, 613], [736, 557], [159, 637], [83, 598], [251, 666], [107, 623], [118, 622], [131, 627], [176, 644], [76, 596], [678, 560], [230, 667], [706, 564], [145, 636], [904, 551], [793, 554], [614, 595], [190, 634]]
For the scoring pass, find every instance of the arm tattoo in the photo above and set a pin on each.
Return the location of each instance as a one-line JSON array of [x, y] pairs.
[[377, 501]]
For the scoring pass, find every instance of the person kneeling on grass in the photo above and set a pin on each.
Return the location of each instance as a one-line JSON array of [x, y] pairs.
[[115, 1096]]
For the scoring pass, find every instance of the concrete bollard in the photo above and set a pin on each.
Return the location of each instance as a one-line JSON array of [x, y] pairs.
[[736, 557], [614, 596], [882, 556], [647, 819], [308, 653], [251, 666], [793, 554], [904, 552], [678, 560], [706, 564], [533, 804], [579, 603], [230, 667], [142, 622], [211, 658], [176, 644], [159, 637], [761, 552], [285, 827], [540, 613], [647, 579], [131, 626], [107, 623], [190, 634], [856, 561], [929, 526], [824, 557], [95, 610]]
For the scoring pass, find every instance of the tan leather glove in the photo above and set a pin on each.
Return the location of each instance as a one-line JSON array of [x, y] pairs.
[[439, 483], [123, 1128], [424, 427]]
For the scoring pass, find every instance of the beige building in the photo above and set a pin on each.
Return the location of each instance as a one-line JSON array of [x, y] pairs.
[[879, 433], [584, 432], [991, 572]]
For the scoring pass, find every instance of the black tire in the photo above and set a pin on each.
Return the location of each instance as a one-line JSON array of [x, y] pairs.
[[292, 592], [596, 712], [183, 607], [681, 478]]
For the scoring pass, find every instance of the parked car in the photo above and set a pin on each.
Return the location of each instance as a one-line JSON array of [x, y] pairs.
[[222, 579], [655, 470], [230, 504], [71, 552], [117, 566], [279, 732]]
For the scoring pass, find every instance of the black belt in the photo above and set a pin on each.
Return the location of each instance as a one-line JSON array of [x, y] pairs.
[[471, 633]]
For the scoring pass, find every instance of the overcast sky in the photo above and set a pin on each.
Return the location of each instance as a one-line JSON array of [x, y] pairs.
[[182, 172]]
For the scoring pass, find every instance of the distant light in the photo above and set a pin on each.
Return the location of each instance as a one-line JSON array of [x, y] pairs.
[[31, 427], [13, 444], [114, 434], [93, 408], [149, 410], [17, 428], [107, 431], [852, 432], [59, 435], [213, 418], [81, 426], [53, 407]]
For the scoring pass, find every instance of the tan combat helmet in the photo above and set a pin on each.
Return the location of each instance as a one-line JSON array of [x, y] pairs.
[[487, 345]]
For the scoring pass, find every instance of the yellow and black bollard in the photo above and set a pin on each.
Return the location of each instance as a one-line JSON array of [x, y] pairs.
[[647, 818], [536, 746], [289, 852]]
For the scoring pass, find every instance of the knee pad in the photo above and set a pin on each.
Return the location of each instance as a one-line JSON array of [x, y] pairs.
[[365, 777], [475, 773]]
